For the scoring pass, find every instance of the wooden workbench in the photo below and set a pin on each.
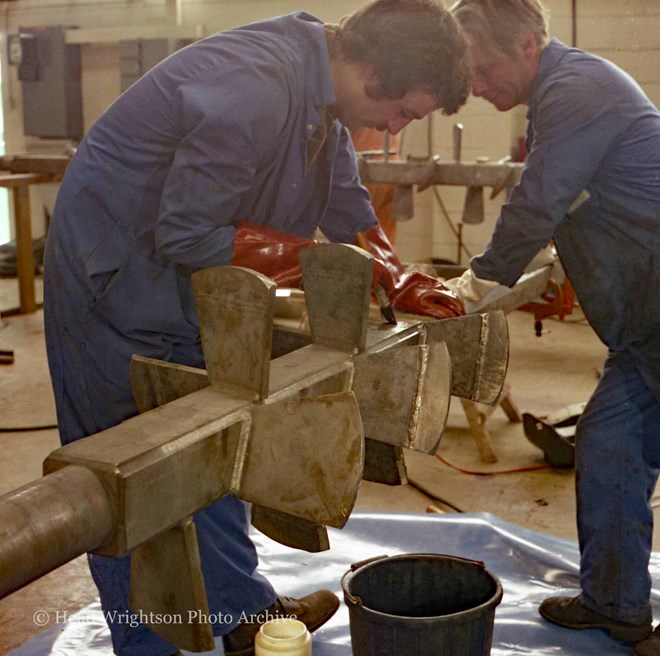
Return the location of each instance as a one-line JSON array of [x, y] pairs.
[[18, 172]]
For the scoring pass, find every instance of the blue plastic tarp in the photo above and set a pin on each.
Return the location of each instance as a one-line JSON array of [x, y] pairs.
[[530, 565]]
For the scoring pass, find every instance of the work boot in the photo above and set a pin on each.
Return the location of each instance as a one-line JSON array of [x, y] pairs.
[[650, 646], [573, 614], [314, 610]]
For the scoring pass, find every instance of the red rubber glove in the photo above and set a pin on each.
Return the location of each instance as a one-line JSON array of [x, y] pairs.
[[275, 254], [270, 251], [418, 293], [414, 292]]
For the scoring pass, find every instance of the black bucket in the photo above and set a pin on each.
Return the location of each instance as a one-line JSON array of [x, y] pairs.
[[421, 605]]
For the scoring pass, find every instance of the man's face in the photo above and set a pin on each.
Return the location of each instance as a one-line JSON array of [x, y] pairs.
[[503, 80], [355, 109]]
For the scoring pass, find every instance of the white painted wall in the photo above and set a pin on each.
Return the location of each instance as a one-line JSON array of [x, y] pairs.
[[626, 31]]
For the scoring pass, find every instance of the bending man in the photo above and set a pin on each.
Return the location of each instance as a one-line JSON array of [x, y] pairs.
[[246, 124], [591, 128]]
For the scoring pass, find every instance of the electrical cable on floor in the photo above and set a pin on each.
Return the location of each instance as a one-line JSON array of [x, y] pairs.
[[491, 473], [581, 320], [24, 429], [424, 490]]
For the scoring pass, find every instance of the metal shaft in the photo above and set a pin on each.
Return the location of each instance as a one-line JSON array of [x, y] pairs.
[[49, 522]]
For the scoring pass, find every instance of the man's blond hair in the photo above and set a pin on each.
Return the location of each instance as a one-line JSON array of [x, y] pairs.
[[502, 25]]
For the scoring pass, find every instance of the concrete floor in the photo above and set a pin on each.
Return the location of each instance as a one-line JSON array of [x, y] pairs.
[[545, 374]]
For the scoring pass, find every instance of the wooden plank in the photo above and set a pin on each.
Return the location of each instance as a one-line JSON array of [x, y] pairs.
[[13, 180], [24, 252], [53, 164]]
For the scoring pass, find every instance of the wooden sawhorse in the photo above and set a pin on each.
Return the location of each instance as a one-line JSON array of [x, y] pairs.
[[477, 415]]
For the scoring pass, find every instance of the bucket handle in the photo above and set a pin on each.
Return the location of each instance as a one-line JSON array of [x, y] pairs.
[[356, 601], [362, 563], [355, 566], [479, 563]]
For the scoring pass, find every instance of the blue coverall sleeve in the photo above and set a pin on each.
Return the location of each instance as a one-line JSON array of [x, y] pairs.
[[574, 125], [229, 120], [349, 209]]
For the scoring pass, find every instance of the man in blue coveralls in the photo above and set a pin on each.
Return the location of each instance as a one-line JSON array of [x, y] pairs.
[[250, 124], [591, 129]]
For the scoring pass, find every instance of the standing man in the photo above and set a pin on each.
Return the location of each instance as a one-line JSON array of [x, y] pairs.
[[246, 124], [591, 128]]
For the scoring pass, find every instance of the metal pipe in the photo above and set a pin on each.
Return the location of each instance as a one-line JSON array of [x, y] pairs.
[[49, 522], [478, 174], [459, 245], [457, 141], [574, 23]]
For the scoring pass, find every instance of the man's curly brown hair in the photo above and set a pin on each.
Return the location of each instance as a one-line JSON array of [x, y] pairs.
[[412, 45]]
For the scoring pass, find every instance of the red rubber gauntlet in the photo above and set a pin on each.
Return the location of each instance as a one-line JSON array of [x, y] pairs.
[[414, 292], [275, 254], [418, 293], [270, 251]]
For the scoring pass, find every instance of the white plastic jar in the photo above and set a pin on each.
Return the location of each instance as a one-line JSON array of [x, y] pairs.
[[283, 637]]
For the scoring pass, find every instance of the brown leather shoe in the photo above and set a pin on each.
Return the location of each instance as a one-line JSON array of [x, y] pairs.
[[314, 610], [650, 646], [573, 614]]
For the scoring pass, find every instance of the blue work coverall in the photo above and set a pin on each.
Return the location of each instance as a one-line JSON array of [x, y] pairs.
[[216, 133], [592, 128]]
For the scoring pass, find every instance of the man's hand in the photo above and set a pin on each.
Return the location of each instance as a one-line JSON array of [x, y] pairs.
[[418, 293], [415, 293], [270, 251], [475, 292], [274, 253]]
